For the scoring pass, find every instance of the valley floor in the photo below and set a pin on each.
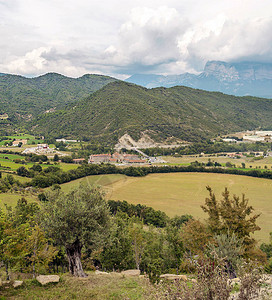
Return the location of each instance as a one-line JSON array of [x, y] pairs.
[[184, 193]]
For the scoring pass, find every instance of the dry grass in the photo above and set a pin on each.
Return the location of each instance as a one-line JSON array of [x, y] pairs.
[[93, 287], [183, 193]]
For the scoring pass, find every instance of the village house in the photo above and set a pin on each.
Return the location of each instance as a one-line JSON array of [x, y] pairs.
[[66, 141], [40, 149], [79, 160], [18, 141], [234, 155], [130, 157], [99, 158], [115, 158], [42, 146], [118, 156]]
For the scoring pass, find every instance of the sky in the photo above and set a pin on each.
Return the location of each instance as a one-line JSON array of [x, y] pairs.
[[122, 37]]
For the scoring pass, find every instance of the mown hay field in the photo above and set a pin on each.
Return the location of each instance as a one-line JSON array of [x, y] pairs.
[[250, 162], [183, 193]]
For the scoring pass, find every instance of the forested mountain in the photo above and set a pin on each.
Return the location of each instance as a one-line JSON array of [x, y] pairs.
[[240, 79], [23, 98], [182, 112]]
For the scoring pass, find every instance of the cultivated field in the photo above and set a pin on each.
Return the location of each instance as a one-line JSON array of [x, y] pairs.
[[250, 162], [183, 193], [7, 161]]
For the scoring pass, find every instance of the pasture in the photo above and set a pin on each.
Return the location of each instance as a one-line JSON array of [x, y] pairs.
[[183, 193], [7, 161], [11, 199], [250, 162]]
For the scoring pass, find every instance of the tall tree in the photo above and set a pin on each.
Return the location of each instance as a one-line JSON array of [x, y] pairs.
[[233, 215], [76, 219]]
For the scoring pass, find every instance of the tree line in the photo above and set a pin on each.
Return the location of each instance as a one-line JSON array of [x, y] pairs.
[[209, 147], [54, 175]]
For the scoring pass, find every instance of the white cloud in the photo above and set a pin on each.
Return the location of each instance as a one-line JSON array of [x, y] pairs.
[[118, 37]]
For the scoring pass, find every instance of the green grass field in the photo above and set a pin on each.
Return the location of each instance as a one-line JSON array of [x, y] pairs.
[[6, 160], [11, 199], [103, 180], [249, 161], [29, 137], [20, 178], [183, 193]]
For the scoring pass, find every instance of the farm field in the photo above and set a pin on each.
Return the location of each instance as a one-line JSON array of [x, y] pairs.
[[11, 199], [183, 193], [102, 180], [16, 177], [31, 139], [6, 160], [249, 161]]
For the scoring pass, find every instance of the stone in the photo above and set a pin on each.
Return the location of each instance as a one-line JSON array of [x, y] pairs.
[[44, 279], [132, 272], [17, 283], [101, 273], [173, 277]]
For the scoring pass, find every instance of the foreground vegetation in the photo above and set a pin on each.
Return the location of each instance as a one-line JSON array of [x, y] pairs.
[[34, 240], [113, 287]]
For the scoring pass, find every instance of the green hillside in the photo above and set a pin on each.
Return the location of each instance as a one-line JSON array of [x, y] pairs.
[[181, 112], [22, 98]]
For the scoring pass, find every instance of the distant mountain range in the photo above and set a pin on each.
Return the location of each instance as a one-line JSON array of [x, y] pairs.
[[240, 79], [101, 108]]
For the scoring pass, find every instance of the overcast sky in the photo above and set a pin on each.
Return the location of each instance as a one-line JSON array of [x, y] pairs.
[[123, 37]]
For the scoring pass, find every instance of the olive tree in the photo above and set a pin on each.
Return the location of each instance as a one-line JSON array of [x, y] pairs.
[[75, 220]]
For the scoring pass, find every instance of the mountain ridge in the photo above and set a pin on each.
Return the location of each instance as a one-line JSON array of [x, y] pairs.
[[240, 79], [179, 112], [22, 98]]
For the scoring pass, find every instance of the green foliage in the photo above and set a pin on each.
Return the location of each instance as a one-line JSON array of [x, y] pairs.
[[22, 242], [8, 183], [118, 255], [148, 215], [228, 248], [76, 220], [267, 249], [81, 214], [179, 112], [50, 91], [232, 216]]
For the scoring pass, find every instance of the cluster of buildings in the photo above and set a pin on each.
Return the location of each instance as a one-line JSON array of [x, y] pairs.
[[115, 158], [40, 149], [250, 136], [67, 141], [258, 136]]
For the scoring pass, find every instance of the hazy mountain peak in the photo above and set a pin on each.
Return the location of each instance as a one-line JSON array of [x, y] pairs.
[[240, 79]]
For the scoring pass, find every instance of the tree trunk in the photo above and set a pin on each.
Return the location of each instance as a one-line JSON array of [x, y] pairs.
[[7, 271], [74, 257]]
